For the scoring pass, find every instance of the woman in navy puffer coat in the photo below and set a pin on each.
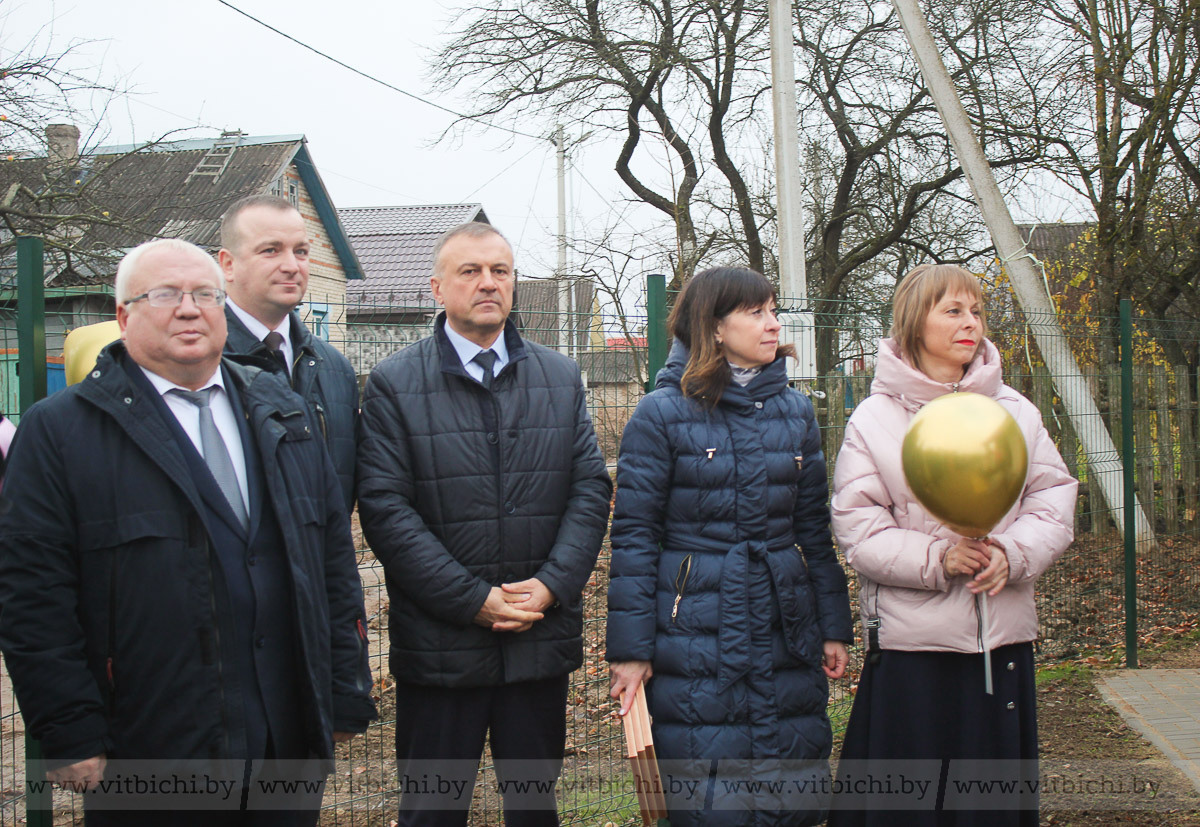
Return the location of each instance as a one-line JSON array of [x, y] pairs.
[[725, 593]]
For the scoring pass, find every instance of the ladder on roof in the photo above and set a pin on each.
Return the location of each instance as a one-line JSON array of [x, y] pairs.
[[217, 158]]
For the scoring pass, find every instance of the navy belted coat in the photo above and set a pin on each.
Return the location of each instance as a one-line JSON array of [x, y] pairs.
[[724, 577]]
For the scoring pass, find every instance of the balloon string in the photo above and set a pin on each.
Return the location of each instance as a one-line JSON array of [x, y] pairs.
[[987, 649]]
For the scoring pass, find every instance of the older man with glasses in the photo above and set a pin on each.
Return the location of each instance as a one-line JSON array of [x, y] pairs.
[[178, 582]]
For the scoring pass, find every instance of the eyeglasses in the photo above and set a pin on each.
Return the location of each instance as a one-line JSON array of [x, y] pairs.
[[203, 297]]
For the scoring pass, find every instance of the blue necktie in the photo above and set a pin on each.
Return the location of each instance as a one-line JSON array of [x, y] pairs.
[[486, 359]]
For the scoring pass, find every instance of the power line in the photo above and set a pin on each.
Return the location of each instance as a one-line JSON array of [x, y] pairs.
[[384, 83], [501, 172]]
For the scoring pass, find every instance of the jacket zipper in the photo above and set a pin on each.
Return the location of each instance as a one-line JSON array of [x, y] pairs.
[[320, 411], [112, 637], [216, 630], [497, 454], [681, 577]]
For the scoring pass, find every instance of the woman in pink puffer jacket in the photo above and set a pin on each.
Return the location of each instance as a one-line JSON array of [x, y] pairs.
[[921, 695]]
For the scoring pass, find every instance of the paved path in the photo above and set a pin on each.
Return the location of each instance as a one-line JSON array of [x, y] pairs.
[[1164, 706]]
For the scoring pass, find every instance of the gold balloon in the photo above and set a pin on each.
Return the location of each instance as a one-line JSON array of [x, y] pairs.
[[83, 345], [965, 460]]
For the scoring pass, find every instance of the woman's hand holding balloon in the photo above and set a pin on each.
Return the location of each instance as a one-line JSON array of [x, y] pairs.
[[995, 577], [968, 556]]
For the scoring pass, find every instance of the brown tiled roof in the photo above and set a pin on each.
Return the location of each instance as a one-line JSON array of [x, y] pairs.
[[536, 309], [395, 246], [149, 192], [1049, 242]]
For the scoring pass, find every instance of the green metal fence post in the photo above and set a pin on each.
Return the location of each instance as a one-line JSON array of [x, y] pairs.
[[31, 321], [31, 362], [656, 326], [1127, 461]]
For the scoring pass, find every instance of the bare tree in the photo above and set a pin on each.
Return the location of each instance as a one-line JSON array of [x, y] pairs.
[[1130, 151], [683, 82], [669, 77], [886, 189], [52, 186]]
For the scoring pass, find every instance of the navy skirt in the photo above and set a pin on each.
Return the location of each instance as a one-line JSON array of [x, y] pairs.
[[927, 747]]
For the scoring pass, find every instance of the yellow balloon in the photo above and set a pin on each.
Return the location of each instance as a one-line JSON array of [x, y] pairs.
[[83, 345], [965, 460]]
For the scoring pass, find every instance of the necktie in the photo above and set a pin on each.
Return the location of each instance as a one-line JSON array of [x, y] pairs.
[[216, 454], [274, 342], [486, 359]]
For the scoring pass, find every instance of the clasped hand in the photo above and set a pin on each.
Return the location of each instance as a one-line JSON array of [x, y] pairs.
[[984, 559], [515, 607]]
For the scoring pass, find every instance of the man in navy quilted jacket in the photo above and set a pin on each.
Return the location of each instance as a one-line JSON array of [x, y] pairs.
[[265, 255], [483, 493]]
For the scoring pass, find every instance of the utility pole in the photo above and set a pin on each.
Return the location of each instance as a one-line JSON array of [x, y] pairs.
[[1039, 310], [793, 283], [561, 282]]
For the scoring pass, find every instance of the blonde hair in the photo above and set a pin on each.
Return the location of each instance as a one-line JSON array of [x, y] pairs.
[[915, 296]]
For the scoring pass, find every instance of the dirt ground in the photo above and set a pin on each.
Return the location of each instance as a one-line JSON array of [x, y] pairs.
[[1077, 728]]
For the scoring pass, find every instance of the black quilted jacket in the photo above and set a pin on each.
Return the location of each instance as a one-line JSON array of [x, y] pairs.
[[462, 489]]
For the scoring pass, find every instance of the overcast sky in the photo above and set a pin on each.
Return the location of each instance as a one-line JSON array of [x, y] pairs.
[[198, 66]]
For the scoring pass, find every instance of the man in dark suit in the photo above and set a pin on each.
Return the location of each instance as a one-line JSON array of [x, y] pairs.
[[484, 495], [265, 255], [177, 577]]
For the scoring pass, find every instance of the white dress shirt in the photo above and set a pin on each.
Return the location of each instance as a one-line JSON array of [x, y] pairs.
[[259, 331], [468, 350], [188, 416]]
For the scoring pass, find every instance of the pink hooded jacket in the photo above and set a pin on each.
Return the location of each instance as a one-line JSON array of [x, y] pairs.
[[897, 547]]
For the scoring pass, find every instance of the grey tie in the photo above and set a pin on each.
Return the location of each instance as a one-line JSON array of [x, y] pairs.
[[216, 454], [486, 359]]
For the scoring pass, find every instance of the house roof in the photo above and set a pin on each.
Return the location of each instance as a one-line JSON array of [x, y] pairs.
[[395, 246], [536, 307], [1049, 242], [611, 367], [152, 191]]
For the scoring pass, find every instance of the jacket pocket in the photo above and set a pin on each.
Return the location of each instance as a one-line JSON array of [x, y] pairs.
[[308, 511], [797, 609], [107, 548], [681, 579], [129, 529]]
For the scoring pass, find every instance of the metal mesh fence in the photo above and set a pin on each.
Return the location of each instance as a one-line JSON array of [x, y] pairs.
[[1080, 599]]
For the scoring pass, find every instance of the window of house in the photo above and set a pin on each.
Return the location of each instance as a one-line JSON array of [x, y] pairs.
[[293, 194], [318, 320]]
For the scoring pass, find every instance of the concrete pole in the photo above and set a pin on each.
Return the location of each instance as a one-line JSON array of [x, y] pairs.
[[561, 282], [793, 284], [1027, 285]]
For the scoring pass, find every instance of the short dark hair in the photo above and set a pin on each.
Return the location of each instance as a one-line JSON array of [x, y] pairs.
[[471, 229], [229, 233], [706, 299]]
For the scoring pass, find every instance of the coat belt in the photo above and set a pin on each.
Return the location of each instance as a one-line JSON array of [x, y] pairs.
[[734, 657]]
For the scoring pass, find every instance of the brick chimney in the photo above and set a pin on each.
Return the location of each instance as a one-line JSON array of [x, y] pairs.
[[62, 142]]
